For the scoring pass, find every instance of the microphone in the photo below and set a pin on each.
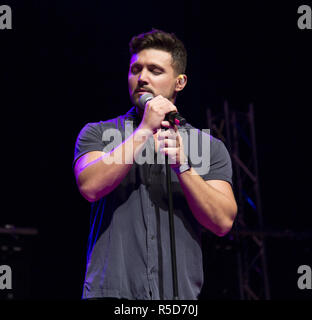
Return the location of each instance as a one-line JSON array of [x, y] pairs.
[[173, 117]]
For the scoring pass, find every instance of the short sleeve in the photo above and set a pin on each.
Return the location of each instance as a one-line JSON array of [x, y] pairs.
[[220, 162], [89, 139]]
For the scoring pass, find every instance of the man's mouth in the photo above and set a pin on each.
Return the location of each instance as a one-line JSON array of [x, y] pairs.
[[142, 91]]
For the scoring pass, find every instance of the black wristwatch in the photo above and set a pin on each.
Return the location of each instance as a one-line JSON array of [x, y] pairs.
[[184, 167]]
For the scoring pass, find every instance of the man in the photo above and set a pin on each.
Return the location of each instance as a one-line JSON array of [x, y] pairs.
[[129, 244]]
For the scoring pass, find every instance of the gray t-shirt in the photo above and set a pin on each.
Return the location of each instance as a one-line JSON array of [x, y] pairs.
[[129, 243]]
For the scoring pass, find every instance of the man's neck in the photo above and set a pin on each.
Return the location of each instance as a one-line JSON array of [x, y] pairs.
[[139, 112]]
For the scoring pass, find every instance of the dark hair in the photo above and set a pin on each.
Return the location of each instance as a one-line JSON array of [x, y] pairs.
[[158, 39]]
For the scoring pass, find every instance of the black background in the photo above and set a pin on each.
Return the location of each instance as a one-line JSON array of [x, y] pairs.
[[65, 63]]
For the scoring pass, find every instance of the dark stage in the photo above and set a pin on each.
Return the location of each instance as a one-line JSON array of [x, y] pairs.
[[65, 63]]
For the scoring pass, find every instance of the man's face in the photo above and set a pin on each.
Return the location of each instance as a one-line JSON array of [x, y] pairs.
[[151, 70]]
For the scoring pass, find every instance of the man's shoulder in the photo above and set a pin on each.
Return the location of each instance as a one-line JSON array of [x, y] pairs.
[[215, 143], [116, 123]]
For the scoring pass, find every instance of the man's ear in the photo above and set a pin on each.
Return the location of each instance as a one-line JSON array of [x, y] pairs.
[[181, 82]]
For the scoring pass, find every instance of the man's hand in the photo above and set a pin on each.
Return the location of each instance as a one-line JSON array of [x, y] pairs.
[[155, 112], [171, 144]]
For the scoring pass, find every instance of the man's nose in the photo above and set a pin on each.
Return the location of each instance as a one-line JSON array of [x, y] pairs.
[[143, 77]]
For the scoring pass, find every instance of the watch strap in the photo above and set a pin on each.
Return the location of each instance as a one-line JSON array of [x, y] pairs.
[[184, 167]]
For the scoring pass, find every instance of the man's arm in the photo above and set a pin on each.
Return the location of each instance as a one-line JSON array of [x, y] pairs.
[[97, 177], [212, 202]]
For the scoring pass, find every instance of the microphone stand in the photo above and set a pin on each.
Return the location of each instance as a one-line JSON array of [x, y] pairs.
[[180, 120], [172, 235]]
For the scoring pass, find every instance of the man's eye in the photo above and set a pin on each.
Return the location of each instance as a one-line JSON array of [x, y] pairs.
[[157, 72], [135, 70]]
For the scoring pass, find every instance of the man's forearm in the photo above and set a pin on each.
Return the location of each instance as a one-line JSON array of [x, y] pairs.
[[102, 175], [211, 208]]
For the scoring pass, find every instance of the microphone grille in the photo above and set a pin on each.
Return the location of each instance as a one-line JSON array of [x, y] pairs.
[[144, 99]]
